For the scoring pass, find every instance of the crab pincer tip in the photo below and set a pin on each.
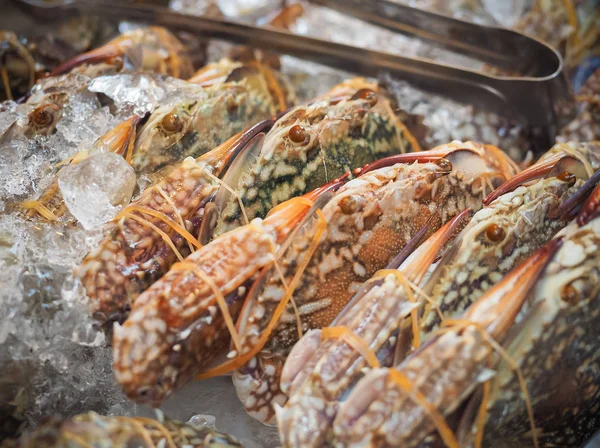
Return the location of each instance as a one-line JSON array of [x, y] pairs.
[[591, 208], [535, 171]]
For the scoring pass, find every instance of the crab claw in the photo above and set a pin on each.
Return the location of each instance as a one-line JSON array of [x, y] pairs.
[[286, 216], [427, 251], [159, 349], [223, 156], [591, 208], [468, 157], [569, 209], [550, 166], [370, 410], [497, 309], [316, 403], [103, 53], [416, 264], [411, 157], [120, 139]]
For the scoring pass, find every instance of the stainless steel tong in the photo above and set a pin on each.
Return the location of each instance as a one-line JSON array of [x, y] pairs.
[[534, 97]]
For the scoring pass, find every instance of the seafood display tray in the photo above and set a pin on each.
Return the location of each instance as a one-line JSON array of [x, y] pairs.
[[433, 122]]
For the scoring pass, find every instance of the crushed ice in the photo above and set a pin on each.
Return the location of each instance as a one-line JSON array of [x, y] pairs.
[[142, 93]]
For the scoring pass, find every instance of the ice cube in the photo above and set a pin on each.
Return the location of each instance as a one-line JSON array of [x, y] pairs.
[[97, 188], [201, 420], [141, 93], [11, 112], [68, 84], [507, 13], [84, 120], [13, 167], [240, 8]]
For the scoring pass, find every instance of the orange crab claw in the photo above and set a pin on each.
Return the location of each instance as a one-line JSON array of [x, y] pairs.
[[591, 208], [121, 138], [536, 171], [497, 309], [416, 264], [285, 216]]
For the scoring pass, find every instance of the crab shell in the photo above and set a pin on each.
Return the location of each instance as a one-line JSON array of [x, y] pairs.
[[497, 239], [180, 324], [369, 221], [313, 144], [203, 120], [133, 255], [91, 429], [507, 231], [445, 371], [555, 344], [552, 338], [319, 373]]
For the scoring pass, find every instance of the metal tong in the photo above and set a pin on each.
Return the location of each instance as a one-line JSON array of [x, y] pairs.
[[535, 97]]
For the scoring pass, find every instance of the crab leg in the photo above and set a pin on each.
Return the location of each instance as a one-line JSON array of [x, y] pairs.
[[369, 220], [135, 254], [239, 96], [181, 323], [383, 411]]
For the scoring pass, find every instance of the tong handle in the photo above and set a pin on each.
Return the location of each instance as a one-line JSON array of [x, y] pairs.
[[500, 47]]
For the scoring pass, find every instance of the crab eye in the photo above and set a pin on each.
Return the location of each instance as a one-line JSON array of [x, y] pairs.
[[444, 164], [567, 177], [494, 233], [43, 116], [144, 391], [348, 205], [171, 123], [367, 95], [298, 134], [569, 294]]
